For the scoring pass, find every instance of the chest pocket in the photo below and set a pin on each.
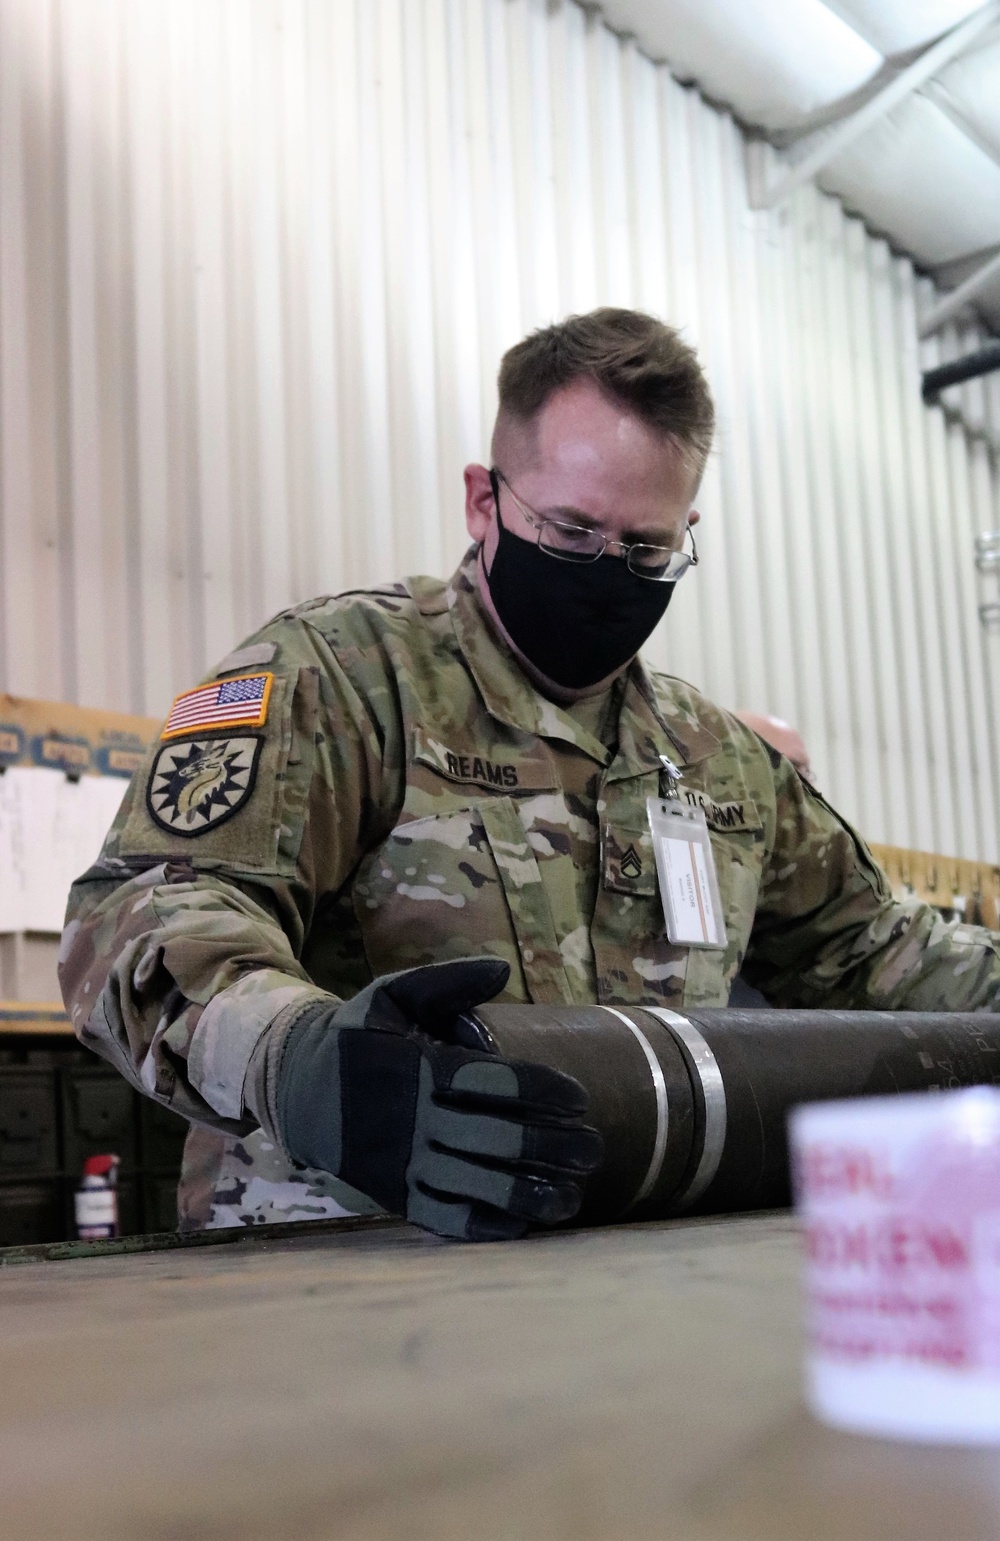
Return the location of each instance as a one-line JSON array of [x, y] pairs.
[[683, 976], [462, 879]]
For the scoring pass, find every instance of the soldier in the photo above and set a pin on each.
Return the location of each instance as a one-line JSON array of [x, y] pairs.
[[386, 807]]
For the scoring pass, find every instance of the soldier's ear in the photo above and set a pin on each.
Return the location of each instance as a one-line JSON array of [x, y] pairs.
[[480, 507]]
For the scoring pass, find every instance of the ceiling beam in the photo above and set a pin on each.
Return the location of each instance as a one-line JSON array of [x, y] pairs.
[[816, 151], [952, 303], [936, 93]]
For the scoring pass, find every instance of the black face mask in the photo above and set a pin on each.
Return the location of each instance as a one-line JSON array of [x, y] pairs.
[[577, 622]]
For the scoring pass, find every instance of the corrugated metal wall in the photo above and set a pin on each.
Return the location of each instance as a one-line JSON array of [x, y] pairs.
[[258, 261]]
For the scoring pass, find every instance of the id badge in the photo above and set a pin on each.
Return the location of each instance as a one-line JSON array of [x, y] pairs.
[[685, 867]]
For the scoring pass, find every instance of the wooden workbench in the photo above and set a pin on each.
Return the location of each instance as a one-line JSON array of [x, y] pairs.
[[611, 1385]]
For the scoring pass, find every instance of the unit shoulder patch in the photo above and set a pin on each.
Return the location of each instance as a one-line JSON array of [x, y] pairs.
[[235, 703], [195, 786]]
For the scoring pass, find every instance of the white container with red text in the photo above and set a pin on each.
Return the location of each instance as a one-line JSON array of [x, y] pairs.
[[899, 1199], [96, 1199]]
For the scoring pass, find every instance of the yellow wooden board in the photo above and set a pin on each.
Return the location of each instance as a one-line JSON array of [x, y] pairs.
[[78, 739], [20, 1017], [967, 890]]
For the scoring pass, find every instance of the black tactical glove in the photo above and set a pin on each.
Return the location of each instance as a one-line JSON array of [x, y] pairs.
[[456, 1139]]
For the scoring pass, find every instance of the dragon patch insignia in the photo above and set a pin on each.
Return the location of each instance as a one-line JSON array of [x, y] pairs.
[[195, 786]]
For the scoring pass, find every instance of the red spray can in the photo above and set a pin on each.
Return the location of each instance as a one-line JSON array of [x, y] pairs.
[[97, 1199]]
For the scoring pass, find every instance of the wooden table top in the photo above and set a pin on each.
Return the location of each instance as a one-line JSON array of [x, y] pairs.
[[610, 1385]]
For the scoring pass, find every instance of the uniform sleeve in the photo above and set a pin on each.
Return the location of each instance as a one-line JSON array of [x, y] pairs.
[[828, 932], [183, 943]]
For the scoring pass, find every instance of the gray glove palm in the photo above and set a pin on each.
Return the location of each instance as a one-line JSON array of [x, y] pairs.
[[456, 1139]]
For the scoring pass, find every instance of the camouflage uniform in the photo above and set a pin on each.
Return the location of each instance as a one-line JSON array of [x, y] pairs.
[[410, 797]]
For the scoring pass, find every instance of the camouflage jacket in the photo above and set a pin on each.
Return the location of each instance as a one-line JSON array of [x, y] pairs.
[[370, 783]]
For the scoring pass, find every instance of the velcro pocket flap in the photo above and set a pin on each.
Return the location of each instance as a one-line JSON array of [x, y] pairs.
[[628, 865]]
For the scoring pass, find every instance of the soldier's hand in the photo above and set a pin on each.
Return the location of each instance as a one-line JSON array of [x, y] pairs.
[[460, 1141]]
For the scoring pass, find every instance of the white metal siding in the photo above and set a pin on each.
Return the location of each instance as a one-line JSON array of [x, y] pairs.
[[258, 262]]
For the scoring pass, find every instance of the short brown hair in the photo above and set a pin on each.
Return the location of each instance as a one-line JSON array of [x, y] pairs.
[[636, 358]]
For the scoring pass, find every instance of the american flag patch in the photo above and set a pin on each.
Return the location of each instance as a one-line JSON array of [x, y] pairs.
[[238, 703]]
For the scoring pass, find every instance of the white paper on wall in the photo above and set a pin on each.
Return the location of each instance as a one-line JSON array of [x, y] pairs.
[[51, 830], [11, 874]]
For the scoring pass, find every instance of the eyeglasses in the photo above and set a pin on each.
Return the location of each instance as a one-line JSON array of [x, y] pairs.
[[577, 543]]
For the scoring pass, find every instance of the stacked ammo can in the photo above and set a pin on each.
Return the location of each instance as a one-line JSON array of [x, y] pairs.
[[58, 1105]]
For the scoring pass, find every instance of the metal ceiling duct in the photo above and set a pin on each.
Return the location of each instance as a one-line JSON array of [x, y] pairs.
[[924, 170]]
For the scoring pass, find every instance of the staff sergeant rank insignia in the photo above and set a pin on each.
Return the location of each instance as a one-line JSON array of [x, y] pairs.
[[630, 865], [195, 786]]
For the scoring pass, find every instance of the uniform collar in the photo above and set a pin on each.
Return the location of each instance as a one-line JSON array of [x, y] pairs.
[[654, 723], [647, 726]]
